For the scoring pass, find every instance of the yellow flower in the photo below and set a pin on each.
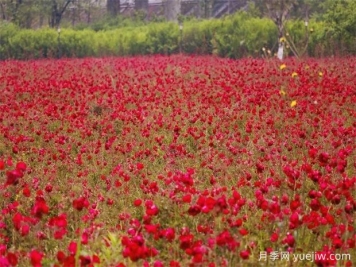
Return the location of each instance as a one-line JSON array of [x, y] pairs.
[[293, 103], [282, 92], [320, 74], [294, 74], [282, 40], [282, 67]]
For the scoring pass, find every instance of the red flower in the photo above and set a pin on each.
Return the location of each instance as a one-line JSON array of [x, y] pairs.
[[84, 260], [174, 264], [72, 248], [151, 208], [137, 202], [61, 256], [21, 166], [274, 237], [12, 258], [80, 203], [187, 198], [59, 221], [315, 204], [59, 234], [13, 177], [294, 220], [2, 165], [245, 254], [85, 238], [40, 208], [169, 234], [16, 220], [139, 166], [69, 261], [4, 261], [26, 191], [243, 231], [324, 158], [25, 229], [49, 188], [185, 241], [289, 240], [194, 210], [36, 258]]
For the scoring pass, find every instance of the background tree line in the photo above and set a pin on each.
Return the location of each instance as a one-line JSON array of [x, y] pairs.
[[331, 28], [50, 12]]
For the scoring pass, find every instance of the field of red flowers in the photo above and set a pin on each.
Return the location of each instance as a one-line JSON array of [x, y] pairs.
[[177, 161]]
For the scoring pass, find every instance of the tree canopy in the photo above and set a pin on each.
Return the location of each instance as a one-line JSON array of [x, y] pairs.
[[338, 15]]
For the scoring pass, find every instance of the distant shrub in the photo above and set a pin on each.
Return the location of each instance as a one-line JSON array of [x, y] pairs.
[[234, 36]]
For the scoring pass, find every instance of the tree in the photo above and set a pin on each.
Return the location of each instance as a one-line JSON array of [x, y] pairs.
[[3, 10], [10, 10], [58, 9], [304, 8], [89, 7], [172, 9], [113, 7], [341, 21], [24, 12], [314, 7], [341, 17], [209, 4], [278, 11]]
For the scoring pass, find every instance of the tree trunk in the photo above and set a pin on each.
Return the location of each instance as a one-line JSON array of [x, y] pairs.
[[141, 5], [172, 10], [198, 9], [53, 15], [3, 13], [113, 7], [208, 8], [278, 11], [57, 13]]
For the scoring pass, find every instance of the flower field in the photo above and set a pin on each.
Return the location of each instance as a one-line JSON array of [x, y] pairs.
[[177, 161]]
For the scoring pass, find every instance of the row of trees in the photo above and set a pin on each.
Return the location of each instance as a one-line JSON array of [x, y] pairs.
[[338, 15], [23, 12]]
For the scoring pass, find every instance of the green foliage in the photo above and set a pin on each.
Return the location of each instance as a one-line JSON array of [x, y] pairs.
[[25, 44], [254, 10], [77, 43], [162, 38], [112, 253], [318, 44], [341, 21], [198, 36], [136, 42], [235, 36], [7, 30], [242, 35], [111, 23], [297, 37]]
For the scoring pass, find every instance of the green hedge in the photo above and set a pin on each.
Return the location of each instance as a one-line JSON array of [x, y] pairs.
[[242, 35], [233, 36]]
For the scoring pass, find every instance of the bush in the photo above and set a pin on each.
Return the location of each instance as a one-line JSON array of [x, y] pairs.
[[162, 38], [242, 35], [234, 36], [198, 36], [77, 43], [7, 30], [29, 44]]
